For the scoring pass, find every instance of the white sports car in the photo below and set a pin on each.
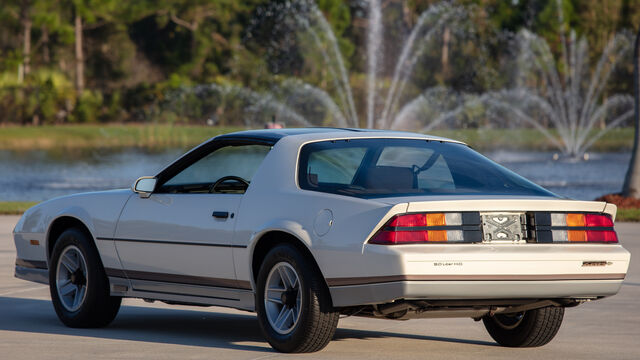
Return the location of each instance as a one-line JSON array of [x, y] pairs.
[[303, 225]]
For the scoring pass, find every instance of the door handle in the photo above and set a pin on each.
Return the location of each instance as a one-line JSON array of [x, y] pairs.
[[220, 214]]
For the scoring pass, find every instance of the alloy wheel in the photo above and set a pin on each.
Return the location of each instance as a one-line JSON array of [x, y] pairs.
[[282, 298], [71, 278]]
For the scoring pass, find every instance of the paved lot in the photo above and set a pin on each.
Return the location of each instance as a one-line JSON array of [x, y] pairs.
[[29, 329]]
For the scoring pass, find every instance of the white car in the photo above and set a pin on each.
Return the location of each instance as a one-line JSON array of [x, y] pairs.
[[305, 225]]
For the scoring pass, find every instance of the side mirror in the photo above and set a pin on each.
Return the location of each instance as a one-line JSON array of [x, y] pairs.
[[145, 186]]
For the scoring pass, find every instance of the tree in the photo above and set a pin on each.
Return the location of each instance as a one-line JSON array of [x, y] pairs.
[[79, 52], [93, 13], [25, 20], [20, 11], [631, 186]]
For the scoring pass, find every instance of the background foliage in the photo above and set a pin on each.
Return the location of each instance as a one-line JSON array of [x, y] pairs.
[[94, 61]]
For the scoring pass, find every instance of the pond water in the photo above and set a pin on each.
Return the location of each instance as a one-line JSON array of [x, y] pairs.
[[40, 175], [602, 174]]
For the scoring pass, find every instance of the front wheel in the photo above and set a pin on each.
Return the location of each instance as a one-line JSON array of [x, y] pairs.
[[79, 286], [530, 328], [293, 303]]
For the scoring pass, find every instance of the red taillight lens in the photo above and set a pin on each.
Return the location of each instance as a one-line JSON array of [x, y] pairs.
[[387, 237], [606, 236], [580, 228], [409, 220], [592, 220], [384, 238], [419, 228]]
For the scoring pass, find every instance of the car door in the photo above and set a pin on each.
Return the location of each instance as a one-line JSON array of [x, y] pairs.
[[178, 240]]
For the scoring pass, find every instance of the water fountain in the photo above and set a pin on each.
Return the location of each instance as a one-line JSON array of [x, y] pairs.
[[565, 102], [572, 99], [428, 25], [374, 57], [566, 98], [304, 18], [218, 104]]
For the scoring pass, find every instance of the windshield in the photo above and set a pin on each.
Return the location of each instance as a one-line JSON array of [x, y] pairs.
[[398, 167]]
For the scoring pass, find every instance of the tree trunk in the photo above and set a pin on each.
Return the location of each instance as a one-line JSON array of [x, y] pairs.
[[46, 57], [446, 38], [407, 15], [632, 180], [79, 56], [26, 49], [25, 20], [20, 73]]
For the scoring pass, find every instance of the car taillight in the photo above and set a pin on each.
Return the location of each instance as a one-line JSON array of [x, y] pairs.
[[594, 228], [420, 228]]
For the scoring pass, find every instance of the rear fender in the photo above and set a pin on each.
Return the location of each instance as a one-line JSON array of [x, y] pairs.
[[292, 228]]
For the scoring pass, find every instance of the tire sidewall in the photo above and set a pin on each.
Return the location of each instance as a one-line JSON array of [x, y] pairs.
[[538, 327], [512, 337], [75, 237], [285, 253]]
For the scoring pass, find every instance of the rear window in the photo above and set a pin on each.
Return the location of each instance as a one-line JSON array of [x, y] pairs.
[[398, 167]]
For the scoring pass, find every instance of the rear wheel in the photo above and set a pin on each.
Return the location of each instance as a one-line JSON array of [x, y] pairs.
[[293, 303], [78, 284], [525, 329]]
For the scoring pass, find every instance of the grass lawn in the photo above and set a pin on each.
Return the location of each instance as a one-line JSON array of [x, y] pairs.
[[70, 137], [15, 207], [632, 215], [619, 139], [105, 136]]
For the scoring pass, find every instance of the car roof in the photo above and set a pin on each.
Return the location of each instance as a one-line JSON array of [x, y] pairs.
[[274, 135], [302, 135]]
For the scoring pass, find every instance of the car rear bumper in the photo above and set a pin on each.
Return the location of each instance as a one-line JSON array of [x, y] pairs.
[[482, 271], [379, 293]]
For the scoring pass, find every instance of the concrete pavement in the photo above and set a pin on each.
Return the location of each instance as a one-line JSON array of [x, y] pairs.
[[29, 328]]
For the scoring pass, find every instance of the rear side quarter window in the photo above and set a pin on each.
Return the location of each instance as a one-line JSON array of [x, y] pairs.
[[334, 166]]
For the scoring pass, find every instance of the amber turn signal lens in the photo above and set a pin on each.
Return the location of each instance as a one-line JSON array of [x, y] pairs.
[[577, 236], [575, 220], [437, 219], [437, 235]]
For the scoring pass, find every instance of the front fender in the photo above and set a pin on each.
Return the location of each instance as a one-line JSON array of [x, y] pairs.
[[75, 212]]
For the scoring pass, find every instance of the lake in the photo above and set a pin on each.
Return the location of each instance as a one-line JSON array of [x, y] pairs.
[[41, 175]]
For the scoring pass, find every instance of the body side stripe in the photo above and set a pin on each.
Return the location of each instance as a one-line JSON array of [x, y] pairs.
[[173, 242], [179, 279], [346, 281]]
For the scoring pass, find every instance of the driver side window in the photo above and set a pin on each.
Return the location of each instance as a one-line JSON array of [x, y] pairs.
[[227, 162]]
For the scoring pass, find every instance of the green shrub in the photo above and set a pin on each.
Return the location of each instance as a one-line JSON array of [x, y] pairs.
[[45, 97], [88, 107]]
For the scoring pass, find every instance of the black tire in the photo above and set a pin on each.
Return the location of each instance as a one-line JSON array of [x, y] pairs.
[[531, 328], [96, 308], [317, 320]]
